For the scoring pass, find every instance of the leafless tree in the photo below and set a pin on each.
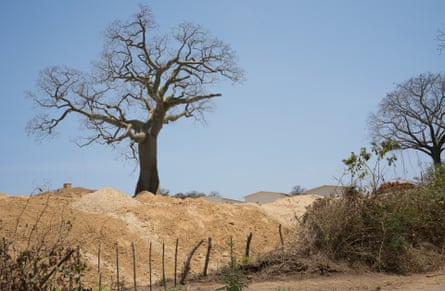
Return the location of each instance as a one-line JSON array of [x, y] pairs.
[[297, 190], [141, 82], [413, 116]]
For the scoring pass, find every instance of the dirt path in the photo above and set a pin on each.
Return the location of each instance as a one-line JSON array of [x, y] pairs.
[[418, 282]]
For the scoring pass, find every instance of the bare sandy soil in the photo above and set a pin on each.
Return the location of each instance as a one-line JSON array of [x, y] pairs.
[[105, 217], [373, 281]]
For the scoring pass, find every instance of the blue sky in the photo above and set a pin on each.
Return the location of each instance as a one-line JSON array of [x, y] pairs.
[[314, 72]]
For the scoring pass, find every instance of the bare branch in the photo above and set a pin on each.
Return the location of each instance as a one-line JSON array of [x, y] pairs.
[[441, 40], [141, 82], [413, 115]]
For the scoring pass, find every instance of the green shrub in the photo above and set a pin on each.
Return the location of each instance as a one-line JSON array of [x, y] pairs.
[[233, 276], [234, 280]]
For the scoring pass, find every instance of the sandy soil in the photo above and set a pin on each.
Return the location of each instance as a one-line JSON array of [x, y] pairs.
[[418, 282], [108, 217]]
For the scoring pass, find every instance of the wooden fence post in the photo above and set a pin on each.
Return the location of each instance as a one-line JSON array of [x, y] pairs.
[[78, 275], [149, 266], [163, 266], [206, 263], [134, 265], [117, 266], [232, 257], [249, 239], [98, 265], [176, 260], [188, 261], [281, 237]]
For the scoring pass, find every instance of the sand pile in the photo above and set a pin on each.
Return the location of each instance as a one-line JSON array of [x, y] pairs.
[[108, 216], [288, 210], [105, 200]]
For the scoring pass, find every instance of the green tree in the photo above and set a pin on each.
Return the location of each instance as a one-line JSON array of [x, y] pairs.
[[366, 172], [140, 83]]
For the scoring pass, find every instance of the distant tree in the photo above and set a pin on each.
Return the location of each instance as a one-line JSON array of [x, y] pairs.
[[413, 116], [141, 82], [164, 192], [297, 190], [195, 194], [214, 194], [180, 195]]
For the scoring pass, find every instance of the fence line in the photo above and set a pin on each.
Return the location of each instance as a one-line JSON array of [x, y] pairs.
[[186, 267]]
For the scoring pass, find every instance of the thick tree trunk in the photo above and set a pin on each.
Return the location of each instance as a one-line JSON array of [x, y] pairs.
[[436, 155], [148, 165]]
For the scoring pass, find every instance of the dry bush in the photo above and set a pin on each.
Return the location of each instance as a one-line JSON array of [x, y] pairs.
[[398, 231], [430, 202], [36, 257]]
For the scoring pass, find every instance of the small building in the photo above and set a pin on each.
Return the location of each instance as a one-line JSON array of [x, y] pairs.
[[327, 190], [263, 197]]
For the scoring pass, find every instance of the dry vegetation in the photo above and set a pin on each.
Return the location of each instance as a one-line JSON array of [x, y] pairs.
[[398, 229]]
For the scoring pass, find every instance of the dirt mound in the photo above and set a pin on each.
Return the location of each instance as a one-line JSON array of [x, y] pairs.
[[288, 210], [105, 200], [106, 217]]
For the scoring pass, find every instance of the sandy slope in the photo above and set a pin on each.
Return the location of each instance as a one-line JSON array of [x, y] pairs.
[[108, 216]]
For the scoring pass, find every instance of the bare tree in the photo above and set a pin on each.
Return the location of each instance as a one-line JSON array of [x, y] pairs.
[[140, 83], [413, 116], [297, 190]]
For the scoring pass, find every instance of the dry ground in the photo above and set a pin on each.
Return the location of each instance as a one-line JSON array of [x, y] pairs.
[[108, 216]]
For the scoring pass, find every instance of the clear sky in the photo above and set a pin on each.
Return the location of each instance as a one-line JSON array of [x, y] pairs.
[[315, 70]]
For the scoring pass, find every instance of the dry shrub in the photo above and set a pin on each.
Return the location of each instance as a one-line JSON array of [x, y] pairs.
[[276, 263], [430, 203], [36, 257], [387, 232]]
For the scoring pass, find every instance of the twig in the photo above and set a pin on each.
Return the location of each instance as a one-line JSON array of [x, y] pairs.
[[435, 275]]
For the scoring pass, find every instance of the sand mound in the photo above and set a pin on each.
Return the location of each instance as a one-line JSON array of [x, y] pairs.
[[108, 216], [104, 200], [288, 210]]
